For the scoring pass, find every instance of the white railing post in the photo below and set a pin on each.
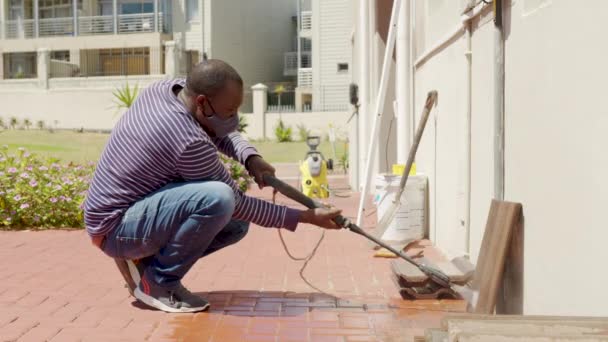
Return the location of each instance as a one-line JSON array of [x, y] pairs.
[[155, 15], [44, 60], [115, 15], [260, 103], [36, 19], [75, 16]]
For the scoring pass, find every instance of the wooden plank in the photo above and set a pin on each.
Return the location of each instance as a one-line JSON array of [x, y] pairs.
[[408, 272], [517, 337], [490, 266], [412, 274], [511, 293], [518, 318], [528, 327]]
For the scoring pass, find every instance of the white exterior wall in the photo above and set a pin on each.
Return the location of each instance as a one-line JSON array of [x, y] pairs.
[[84, 42], [332, 22], [555, 140], [317, 122], [74, 102]]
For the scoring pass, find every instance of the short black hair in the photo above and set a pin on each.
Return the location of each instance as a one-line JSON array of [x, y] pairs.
[[210, 76]]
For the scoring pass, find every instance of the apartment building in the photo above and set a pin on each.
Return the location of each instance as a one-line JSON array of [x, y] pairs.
[[320, 59], [98, 45]]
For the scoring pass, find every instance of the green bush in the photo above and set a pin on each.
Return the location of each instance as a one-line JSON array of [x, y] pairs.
[[41, 193], [237, 171], [242, 124], [282, 132], [36, 192], [303, 132]]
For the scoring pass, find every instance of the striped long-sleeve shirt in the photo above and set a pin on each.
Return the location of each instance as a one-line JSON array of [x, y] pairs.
[[158, 141]]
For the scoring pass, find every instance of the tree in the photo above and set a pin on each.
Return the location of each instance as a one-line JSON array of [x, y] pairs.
[[13, 122], [27, 123], [40, 124]]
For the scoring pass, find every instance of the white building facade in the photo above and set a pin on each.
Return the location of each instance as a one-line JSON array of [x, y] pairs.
[[321, 59], [554, 132], [54, 50]]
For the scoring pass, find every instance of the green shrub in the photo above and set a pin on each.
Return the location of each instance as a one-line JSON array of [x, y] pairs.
[[36, 192], [125, 97], [238, 172], [303, 132], [242, 124], [40, 192], [282, 132]]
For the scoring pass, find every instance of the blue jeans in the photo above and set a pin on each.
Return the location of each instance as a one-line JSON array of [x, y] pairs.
[[177, 225]]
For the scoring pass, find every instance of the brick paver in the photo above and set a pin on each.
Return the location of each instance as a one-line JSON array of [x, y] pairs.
[[56, 287]]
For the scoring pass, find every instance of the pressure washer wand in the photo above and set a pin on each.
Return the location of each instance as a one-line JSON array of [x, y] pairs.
[[434, 274]]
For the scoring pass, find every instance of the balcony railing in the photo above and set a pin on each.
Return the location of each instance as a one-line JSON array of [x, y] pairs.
[[87, 25], [306, 23], [101, 24], [19, 29], [290, 65], [56, 27], [137, 23], [305, 78]]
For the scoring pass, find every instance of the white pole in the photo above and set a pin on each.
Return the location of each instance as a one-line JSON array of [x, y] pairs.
[[499, 103], [364, 66], [402, 86], [373, 140]]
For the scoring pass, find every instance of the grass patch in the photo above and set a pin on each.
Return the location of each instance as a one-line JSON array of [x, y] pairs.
[[80, 147]]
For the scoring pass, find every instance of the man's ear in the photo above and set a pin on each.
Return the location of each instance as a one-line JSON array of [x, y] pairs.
[[200, 100]]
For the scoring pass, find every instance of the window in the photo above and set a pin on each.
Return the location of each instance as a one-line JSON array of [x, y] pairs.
[[61, 55], [192, 10], [136, 7], [342, 67]]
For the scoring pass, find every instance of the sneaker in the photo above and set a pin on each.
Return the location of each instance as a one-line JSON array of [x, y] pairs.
[[174, 299], [132, 271]]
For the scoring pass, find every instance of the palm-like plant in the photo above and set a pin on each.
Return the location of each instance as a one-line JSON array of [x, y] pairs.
[[279, 90], [40, 124], [125, 97], [13, 122], [27, 123]]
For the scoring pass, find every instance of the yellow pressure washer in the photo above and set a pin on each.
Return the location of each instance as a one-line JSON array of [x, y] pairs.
[[313, 170]]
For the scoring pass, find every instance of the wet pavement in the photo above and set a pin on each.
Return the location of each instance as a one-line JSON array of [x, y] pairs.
[[57, 287]]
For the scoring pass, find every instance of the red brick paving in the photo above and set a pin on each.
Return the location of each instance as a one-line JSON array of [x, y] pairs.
[[57, 287]]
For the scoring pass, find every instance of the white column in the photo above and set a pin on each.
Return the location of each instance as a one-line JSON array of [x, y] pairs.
[[115, 15], [403, 71], [155, 15], [3, 18], [75, 16], [363, 82], [36, 19], [258, 124], [44, 60], [171, 59]]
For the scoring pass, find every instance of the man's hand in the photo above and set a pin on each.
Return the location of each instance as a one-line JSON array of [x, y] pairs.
[[321, 217], [257, 168]]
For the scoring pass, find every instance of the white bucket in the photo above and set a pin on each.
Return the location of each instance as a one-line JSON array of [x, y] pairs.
[[409, 221]]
